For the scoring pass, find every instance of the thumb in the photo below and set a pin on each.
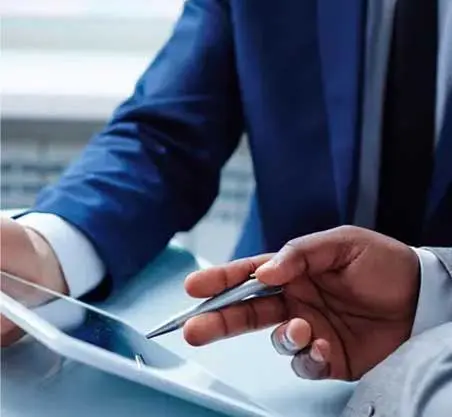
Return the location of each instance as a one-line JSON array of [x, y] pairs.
[[313, 254]]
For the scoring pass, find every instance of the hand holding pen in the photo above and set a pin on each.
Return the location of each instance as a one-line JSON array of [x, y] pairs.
[[348, 300]]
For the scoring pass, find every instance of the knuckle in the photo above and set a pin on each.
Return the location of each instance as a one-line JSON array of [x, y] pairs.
[[247, 265], [293, 244], [250, 265], [292, 256], [347, 229], [290, 250], [351, 231]]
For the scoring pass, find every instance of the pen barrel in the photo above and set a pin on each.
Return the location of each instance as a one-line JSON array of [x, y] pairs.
[[245, 291], [250, 289]]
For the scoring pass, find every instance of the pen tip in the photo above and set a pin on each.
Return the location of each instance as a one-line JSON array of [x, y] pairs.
[[167, 328], [152, 334]]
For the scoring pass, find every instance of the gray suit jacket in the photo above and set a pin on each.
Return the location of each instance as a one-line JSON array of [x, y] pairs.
[[416, 380]]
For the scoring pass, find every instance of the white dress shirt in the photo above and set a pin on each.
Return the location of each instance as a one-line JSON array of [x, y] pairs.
[[83, 269], [81, 266]]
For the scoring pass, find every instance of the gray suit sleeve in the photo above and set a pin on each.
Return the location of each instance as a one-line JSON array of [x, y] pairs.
[[415, 381], [445, 257], [435, 296]]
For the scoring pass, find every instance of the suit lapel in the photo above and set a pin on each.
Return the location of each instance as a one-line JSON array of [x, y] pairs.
[[341, 32]]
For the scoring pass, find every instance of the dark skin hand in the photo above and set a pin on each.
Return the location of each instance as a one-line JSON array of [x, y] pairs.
[[349, 300]]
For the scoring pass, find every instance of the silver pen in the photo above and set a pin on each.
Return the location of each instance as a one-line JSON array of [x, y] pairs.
[[245, 291]]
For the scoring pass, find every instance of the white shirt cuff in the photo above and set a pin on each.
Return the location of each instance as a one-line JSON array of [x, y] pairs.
[[81, 266], [435, 296]]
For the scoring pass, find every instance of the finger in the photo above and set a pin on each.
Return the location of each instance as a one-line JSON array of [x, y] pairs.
[[313, 254], [12, 337], [241, 318], [10, 333], [212, 281], [291, 337], [313, 363]]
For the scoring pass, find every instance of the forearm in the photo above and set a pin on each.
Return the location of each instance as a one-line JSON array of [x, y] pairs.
[[154, 170]]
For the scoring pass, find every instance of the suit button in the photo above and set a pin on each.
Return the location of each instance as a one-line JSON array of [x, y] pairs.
[[370, 410]]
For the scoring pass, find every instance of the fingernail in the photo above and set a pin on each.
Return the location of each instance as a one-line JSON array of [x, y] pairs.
[[288, 343], [316, 355], [266, 266], [306, 367], [283, 343]]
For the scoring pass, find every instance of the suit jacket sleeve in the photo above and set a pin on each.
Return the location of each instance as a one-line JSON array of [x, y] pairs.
[[434, 305], [415, 381], [154, 169], [445, 257]]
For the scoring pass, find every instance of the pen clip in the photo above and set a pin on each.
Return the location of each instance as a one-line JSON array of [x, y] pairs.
[[266, 292]]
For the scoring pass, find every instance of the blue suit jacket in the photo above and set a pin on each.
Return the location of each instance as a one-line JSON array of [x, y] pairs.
[[289, 74]]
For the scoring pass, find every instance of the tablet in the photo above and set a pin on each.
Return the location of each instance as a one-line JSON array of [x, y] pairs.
[[85, 334]]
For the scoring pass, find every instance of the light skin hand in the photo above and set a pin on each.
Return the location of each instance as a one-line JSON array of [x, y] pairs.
[[27, 254], [349, 301]]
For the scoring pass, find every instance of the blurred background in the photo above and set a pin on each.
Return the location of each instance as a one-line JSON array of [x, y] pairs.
[[65, 66]]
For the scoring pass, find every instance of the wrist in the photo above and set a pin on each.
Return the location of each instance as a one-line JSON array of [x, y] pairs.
[[52, 276]]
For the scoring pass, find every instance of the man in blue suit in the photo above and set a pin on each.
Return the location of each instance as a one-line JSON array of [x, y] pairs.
[[347, 107]]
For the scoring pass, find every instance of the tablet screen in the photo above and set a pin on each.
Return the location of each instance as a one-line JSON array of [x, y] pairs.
[[88, 324]]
